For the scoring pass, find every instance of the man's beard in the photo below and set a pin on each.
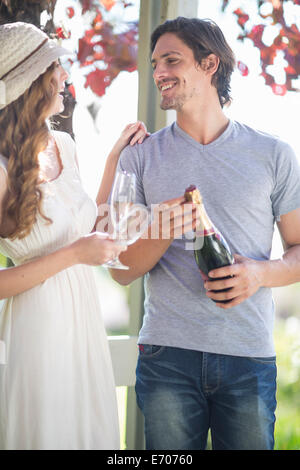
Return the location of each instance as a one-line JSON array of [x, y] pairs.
[[175, 102]]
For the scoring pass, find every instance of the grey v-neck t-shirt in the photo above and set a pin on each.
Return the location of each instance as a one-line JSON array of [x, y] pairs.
[[248, 179]]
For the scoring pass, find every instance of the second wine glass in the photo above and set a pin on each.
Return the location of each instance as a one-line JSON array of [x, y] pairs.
[[129, 220]]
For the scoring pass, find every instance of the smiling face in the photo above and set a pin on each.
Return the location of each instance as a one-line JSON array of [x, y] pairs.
[[177, 75], [58, 78]]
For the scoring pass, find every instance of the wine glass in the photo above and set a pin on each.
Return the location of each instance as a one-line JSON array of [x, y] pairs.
[[123, 196], [129, 220]]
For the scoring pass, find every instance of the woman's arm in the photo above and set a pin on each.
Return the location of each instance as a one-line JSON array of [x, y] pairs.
[[132, 134], [93, 249]]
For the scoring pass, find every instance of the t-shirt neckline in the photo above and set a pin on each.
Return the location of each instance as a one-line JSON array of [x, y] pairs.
[[219, 140]]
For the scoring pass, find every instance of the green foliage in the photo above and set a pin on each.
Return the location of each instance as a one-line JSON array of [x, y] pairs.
[[287, 427], [2, 261]]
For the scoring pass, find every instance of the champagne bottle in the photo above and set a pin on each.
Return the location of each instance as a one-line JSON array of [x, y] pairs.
[[210, 248]]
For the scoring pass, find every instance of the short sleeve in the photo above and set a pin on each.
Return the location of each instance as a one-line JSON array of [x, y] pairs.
[[130, 161], [285, 196]]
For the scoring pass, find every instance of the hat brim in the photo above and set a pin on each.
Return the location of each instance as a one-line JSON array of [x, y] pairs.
[[22, 77]]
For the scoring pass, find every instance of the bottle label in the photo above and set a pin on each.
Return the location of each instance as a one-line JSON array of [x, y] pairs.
[[204, 232], [203, 275]]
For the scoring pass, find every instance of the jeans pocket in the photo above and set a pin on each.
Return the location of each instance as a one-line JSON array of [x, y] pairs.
[[150, 350]]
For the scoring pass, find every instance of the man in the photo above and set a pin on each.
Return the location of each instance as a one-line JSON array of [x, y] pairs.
[[204, 364]]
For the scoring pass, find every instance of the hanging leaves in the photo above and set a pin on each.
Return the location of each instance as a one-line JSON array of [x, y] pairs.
[[98, 81], [101, 50], [109, 52], [242, 17], [287, 42]]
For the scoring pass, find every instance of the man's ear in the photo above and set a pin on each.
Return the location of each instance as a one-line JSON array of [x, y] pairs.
[[210, 64]]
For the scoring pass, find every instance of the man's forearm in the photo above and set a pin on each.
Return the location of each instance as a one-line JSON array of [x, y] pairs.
[[284, 271], [141, 258], [171, 219]]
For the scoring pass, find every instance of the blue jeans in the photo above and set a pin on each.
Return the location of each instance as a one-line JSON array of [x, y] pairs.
[[184, 393]]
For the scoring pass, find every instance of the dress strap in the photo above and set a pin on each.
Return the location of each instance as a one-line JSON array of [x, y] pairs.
[[66, 145], [67, 149]]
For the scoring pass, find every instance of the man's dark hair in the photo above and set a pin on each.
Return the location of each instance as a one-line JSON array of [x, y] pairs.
[[204, 37]]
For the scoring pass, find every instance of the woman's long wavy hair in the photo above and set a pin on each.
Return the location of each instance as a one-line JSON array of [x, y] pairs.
[[25, 134]]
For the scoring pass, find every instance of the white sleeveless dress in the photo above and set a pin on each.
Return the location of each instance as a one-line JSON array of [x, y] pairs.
[[57, 389]]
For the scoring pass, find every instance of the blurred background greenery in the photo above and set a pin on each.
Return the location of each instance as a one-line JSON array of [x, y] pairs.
[[287, 340], [2, 261]]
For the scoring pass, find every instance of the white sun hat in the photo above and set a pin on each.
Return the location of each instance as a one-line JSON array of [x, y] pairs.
[[25, 53]]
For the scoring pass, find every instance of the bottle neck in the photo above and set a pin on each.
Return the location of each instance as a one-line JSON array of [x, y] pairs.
[[206, 226]]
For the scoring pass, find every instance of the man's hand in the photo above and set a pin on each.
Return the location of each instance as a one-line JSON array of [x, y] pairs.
[[246, 278], [173, 218]]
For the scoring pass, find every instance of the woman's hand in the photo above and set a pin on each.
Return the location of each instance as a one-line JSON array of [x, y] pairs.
[[132, 134], [95, 249]]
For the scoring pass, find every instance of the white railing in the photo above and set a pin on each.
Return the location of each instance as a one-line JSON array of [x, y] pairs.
[[124, 353]]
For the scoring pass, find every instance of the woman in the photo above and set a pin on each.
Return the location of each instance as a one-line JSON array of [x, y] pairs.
[[56, 388]]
